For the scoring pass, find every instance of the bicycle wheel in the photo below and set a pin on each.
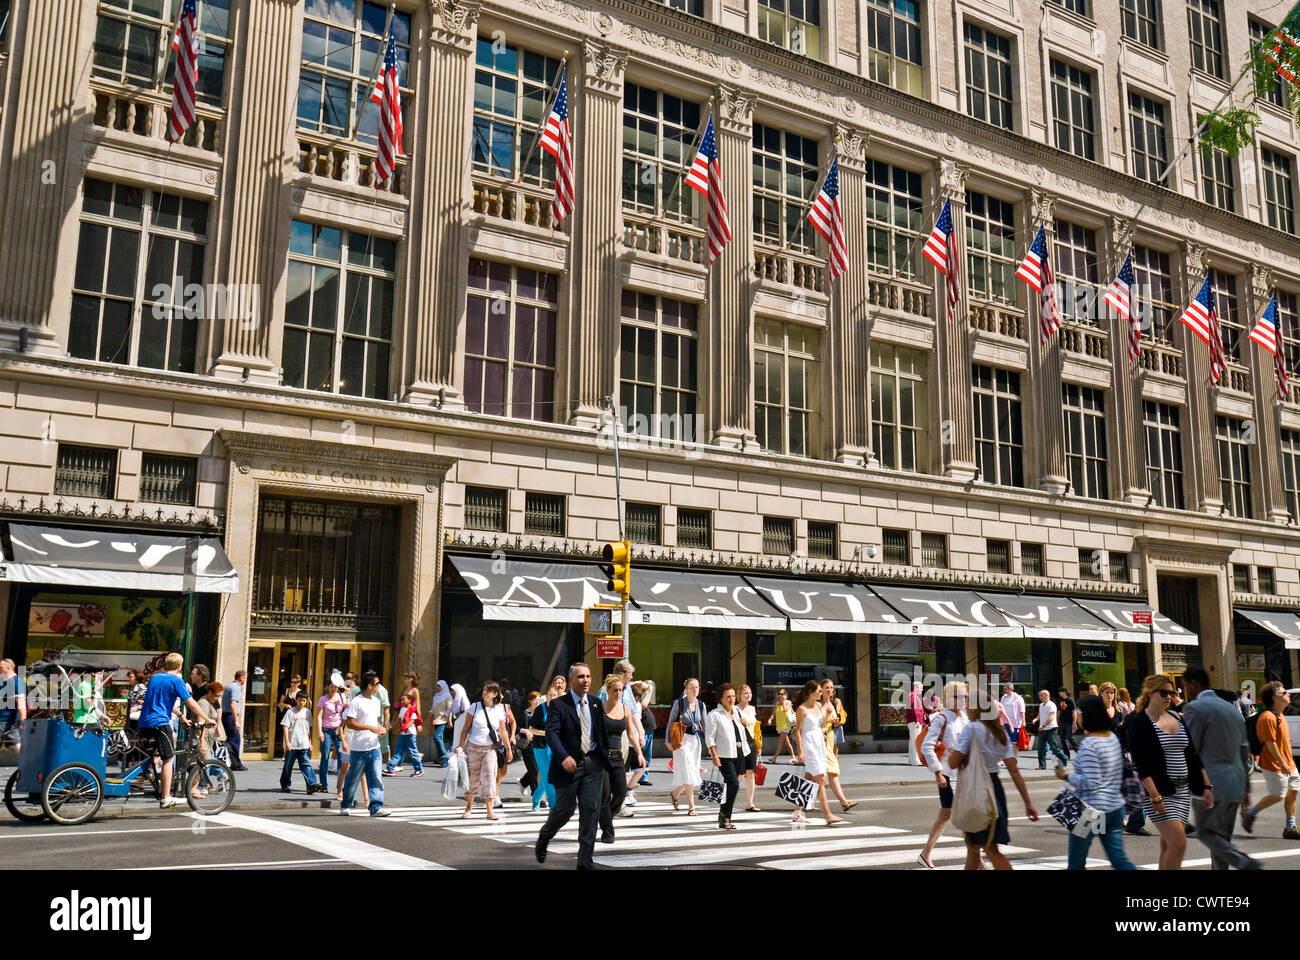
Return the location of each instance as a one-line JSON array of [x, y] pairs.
[[22, 806], [209, 787], [72, 794]]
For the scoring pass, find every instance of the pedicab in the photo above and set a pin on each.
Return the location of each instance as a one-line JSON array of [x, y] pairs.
[[62, 770]]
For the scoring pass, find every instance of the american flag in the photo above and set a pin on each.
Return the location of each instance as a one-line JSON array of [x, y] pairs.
[[1201, 318], [1036, 270], [388, 95], [828, 220], [1120, 296], [555, 141], [706, 176], [185, 76], [1268, 334], [936, 246]]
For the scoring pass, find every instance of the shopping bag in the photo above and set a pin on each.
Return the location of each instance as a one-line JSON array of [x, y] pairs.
[[221, 751], [450, 779], [1133, 789], [1022, 742], [974, 806], [796, 790], [712, 787], [760, 775], [1075, 815]]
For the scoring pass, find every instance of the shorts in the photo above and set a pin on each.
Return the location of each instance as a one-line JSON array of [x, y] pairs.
[[160, 739], [1276, 784], [11, 733], [945, 796], [750, 764]]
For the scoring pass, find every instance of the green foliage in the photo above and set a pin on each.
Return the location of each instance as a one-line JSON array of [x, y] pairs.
[[1228, 130], [1272, 61]]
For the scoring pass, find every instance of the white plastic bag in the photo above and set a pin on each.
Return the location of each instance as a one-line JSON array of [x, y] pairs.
[[449, 780]]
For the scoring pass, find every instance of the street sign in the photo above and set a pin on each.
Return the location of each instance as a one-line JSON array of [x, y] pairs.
[[600, 621], [1142, 618], [610, 648]]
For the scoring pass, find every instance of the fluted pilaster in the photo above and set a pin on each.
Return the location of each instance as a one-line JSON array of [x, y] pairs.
[[1130, 475], [1270, 501], [731, 283], [260, 159], [48, 106], [849, 332], [952, 342], [439, 254], [1045, 364], [1200, 452], [594, 304]]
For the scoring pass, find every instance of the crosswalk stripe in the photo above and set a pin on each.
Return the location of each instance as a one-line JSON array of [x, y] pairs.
[[666, 836], [739, 851], [880, 858], [621, 824], [327, 842], [1205, 861], [720, 838]]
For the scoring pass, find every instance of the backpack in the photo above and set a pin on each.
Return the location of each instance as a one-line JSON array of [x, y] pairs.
[[974, 806], [1252, 735]]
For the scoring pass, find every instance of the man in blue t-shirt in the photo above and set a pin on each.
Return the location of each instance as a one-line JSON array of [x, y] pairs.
[[165, 689], [13, 705]]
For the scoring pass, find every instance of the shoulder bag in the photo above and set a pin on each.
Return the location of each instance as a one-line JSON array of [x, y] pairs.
[[496, 740], [974, 807], [677, 729], [938, 743]]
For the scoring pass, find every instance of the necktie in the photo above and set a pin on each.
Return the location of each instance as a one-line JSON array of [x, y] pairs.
[[585, 718]]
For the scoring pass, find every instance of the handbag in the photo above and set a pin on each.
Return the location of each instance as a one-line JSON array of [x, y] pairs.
[[760, 774], [1076, 816], [1022, 741], [496, 740], [938, 743], [1132, 789], [677, 730], [711, 788], [974, 806], [796, 790]]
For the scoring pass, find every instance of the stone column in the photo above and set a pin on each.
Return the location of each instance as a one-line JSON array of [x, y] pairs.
[[260, 160], [47, 107], [597, 227], [953, 343], [1200, 456], [439, 253], [1130, 479], [727, 364], [849, 332], [1270, 501], [1045, 363]]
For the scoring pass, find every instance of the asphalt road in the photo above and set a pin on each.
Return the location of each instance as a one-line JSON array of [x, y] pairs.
[[885, 831]]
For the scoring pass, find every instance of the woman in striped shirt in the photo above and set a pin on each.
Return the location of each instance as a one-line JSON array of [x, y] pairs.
[[1097, 777]]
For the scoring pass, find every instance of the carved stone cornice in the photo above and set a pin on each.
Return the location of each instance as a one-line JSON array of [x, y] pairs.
[[735, 110], [1184, 553], [454, 22], [244, 447], [952, 177], [602, 68], [852, 147]]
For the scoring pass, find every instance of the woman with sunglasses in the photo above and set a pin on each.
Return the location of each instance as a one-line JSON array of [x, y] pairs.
[[1158, 742], [946, 726]]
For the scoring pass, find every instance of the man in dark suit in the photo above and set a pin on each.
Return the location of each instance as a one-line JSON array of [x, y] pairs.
[[575, 732]]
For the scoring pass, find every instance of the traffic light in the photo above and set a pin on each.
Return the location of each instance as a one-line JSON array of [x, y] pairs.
[[619, 554]]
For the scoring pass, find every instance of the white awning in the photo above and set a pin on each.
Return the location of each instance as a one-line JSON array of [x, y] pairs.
[[533, 590], [1117, 617], [818, 606], [117, 559], [1280, 623], [691, 598]]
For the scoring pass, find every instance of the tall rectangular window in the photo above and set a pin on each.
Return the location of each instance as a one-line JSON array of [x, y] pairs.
[[988, 77], [543, 514], [793, 24], [1291, 472], [1085, 440], [1289, 316], [643, 523], [1077, 273], [1219, 179], [1141, 21], [510, 341], [894, 204], [823, 541], [1031, 559], [1076, 6], [778, 535], [1150, 139], [786, 168], [894, 44], [341, 41], [658, 366], [694, 528], [658, 130], [1241, 578], [1074, 121], [999, 440], [140, 255], [1164, 454], [338, 314], [1266, 579], [510, 88], [894, 547], [1233, 437], [1089, 564], [166, 479], [787, 388], [1205, 33], [133, 44], [899, 407], [934, 550], [997, 555], [1272, 88], [1119, 566], [1154, 282], [1232, 318], [485, 509], [85, 472], [991, 254], [1279, 192]]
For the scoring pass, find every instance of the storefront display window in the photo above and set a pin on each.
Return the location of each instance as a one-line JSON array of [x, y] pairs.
[[912, 658], [133, 630], [789, 659], [1098, 663], [1031, 665]]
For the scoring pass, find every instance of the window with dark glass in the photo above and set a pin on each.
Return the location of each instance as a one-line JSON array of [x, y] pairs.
[[793, 24], [999, 440], [1272, 88], [778, 535], [998, 556], [823, 541], [786, 170], [510, 90], [138, 294], [1154, 291], [1090, 563], [165, 479], [787, 388], [1205, 33], [1279, 191], [133, 44], [694, 7], [1289, 317], [1291, 472], [485, 509], [1164, 454], [934, 550], [1241, 578], [900, 406], [991, 253], [1232, 319], [544, 514], [1077, 275], [1085, 440], [1119, 566], [658, 366], [1031, 559], [894, 43], [510, 341], [1219, 179], [894, 547], [643, 523], [1149, 137], [1266, 583], [1141, 21], [85, 472], [1076, 6], [1074, 121], [894, 204], [988, 77], [1234, 440], [338, 312], [658, 131], [694, 528]]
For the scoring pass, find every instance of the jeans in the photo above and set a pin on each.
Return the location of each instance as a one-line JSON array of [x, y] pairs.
[[585, 794], [368, 762], [1112, 841], [1048, 738], [646, 748], [234, 739], [303, 759], [733, 768], [333, 742], [406, 747], [440, 750], [615, 793], [1066, 731], [545, 789]]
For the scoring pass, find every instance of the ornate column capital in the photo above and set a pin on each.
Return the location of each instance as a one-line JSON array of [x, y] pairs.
[[602, 68], [1261, 282], [1041, 207], [952, 177], [454, 23], [1121, 238], [1195, 261], [735, 110], [852, 147]]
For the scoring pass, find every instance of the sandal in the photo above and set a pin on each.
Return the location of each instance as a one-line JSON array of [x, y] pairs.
[[834, 820], [692, 813], [753, 810], [849, 806], [466, 815], [675, 807]]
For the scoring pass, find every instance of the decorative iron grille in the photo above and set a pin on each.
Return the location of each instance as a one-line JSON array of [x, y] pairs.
[[694, 529], [643, 522], [778, 535], [822, 541], [167, 479], [85, 472], [1031, 559], [999, 556], [485, 509], [544, 514], [934, 550], [894, 547]]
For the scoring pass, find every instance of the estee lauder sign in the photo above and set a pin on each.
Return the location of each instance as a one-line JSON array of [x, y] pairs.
[[358, 478]]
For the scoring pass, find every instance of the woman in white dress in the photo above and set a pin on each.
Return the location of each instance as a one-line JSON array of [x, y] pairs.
[[810, 719], [686, 759]]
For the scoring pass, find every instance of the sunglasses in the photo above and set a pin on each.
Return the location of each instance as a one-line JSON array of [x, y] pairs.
[[1166, 693]]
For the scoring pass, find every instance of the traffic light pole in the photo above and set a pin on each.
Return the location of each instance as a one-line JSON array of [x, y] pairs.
[[618, 497]]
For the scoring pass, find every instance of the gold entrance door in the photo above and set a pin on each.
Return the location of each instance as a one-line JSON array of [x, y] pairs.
[[329, 657], [259, 702], [291, 660]]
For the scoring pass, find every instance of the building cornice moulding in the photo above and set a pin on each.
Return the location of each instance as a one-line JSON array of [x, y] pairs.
[[244, 446]]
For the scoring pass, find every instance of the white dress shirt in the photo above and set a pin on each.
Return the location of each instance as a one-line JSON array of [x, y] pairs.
[[949, 725], [1014, 705]]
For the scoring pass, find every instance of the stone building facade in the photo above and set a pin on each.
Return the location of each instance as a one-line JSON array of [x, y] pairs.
[[394, 376]]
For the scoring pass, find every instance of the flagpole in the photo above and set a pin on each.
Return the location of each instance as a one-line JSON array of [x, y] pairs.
[[690, 155], [379, 62], [551, 93], [821, 182]]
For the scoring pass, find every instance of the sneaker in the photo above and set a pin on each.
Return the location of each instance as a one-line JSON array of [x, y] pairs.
[[1291, 833], [625, 812], [391, 773], [1248, 820], [644, 783], [167, 803], [398, 767], [381, 812], [630, 800], [345, 812], [418, 773]]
